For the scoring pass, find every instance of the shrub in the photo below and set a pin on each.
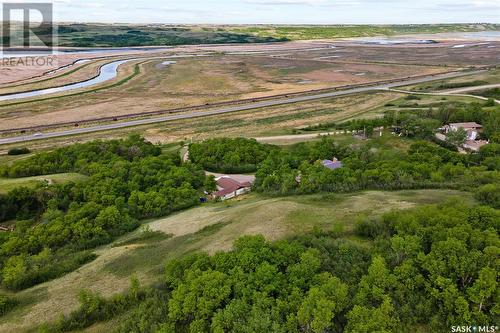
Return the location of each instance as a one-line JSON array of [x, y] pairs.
[[370, 228], [19, 151], [6, 304], [489, 195]]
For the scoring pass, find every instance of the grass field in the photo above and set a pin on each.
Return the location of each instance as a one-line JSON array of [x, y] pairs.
[[212, 227], [8, 184], [344, 31]]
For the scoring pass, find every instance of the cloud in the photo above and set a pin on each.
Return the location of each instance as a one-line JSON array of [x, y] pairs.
[[279, 11]]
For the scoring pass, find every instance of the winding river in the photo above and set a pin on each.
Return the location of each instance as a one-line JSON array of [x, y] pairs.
[[107, 72]]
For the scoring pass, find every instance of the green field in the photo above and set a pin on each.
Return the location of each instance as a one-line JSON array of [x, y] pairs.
[[346, 31], [8, 184]]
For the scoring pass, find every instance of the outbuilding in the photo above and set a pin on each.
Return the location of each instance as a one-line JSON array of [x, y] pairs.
[[228, 188]]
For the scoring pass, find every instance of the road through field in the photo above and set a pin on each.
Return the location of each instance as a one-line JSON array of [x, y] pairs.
[[249, 106], [475, 88], [456, 92]]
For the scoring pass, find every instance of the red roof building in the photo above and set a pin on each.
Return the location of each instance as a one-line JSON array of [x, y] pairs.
[[228, 188]]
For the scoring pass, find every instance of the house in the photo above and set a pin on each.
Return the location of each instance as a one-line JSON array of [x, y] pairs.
[[333, 164], [228, 188], [473, 129], [472, 142]]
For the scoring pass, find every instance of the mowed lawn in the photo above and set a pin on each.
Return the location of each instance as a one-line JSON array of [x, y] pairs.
[[212, 227], [8, 184]]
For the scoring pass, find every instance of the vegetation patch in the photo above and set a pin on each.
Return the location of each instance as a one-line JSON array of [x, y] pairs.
[[491, 93], [127, 180], [18, 151], [96, 35], [237, 155], [9, 184], [399, 280], [345, 31], [145, 236]]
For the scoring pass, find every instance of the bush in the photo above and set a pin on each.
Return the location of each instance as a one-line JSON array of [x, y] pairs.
[[19, 151], [490, 102], [6, 304], [489, 195], [21, 272], [445, 144], [370, 228], [225, 155]]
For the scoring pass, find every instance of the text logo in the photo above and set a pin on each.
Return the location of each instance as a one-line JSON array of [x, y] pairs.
[[27, 27]]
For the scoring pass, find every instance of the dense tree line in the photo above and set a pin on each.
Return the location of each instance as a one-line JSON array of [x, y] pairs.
[[81, 157], [424, 165], [128, 180], [425, 123], [238, 155], [433, 267]]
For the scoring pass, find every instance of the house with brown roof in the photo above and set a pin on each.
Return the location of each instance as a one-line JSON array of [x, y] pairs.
[[228, 188], [473, 129]]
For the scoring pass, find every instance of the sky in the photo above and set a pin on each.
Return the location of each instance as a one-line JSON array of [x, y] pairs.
[[277, 11]]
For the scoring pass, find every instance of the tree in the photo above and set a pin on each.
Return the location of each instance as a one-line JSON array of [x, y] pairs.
[[489, 194], [14, 271], [381, 319], [483, 291], [199, 297], [457, 137], [322, 303], [376, 285]]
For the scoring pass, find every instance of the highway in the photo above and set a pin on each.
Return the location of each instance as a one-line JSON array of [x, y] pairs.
[[223, 110]]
